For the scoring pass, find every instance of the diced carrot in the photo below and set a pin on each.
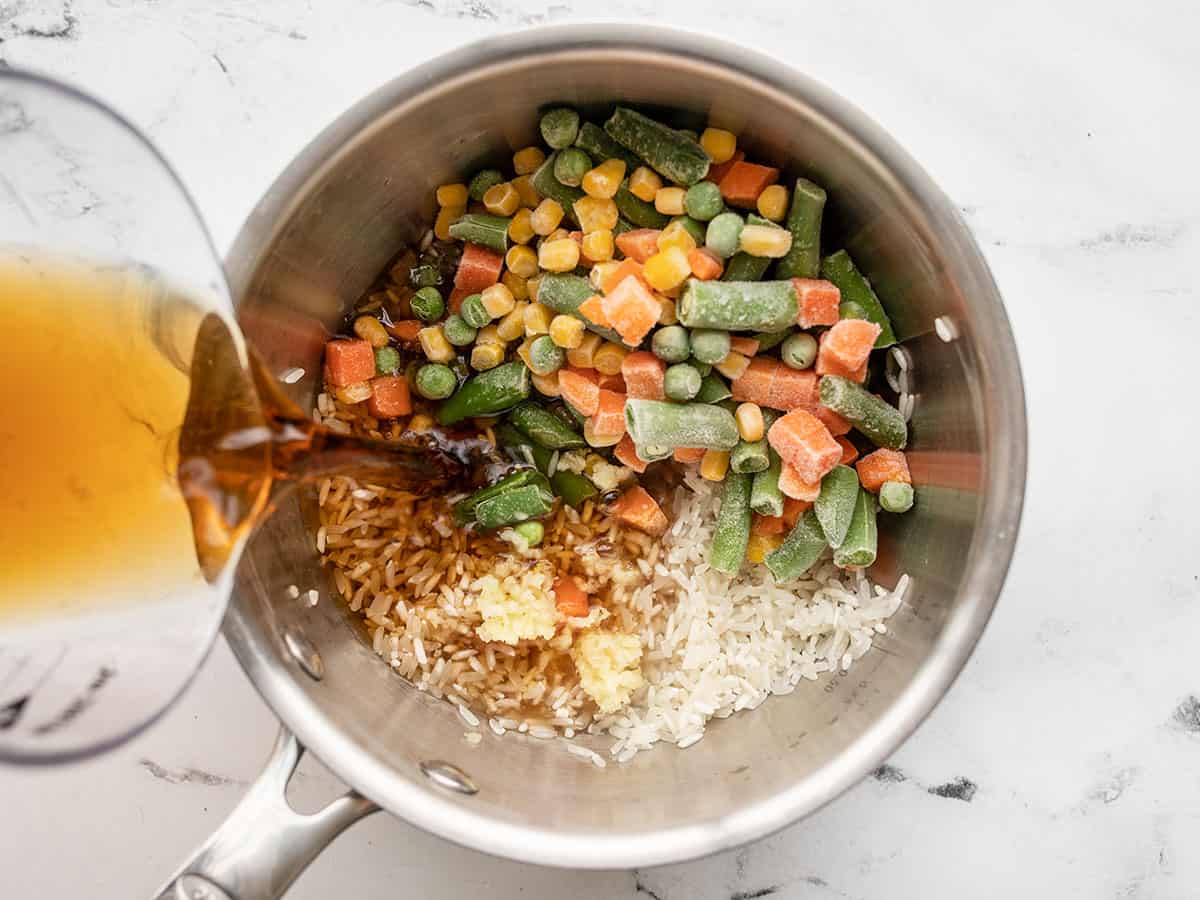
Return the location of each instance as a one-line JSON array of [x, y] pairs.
[[802, 441], [609, 418], [349, 362], [689, 455], [457, 296], [849, 451], [845, 348], [620, 273], [611, 382], [794, 389], [767, 525], [717, 172], [754, 384], [798, 488], [389, 397], [636, 508], [626, 454], [644, 374], [881, 466], [479, 268], [640, 244], [747, 346], [570, 599], [632, 309], [706, 266], [406, 329], [835, 423], [818, 301], [744, 181], [580, 391], [593, 310], [793, 509]]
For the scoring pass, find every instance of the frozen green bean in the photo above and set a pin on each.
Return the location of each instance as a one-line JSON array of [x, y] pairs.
[[599, 145], [862, 538], [545, 428], [713, 389], [681, 382], [674, 425], [547, 185], [835, 504], [750, 457], [494, 391], [769, 339], [803, 546], [896, 496], [840, 269], [482, 228], [637, 210], [744, 267], [671, 154], [464, 510], [765, 497], [738, 305], [514, 505], [803, 260], [565, 293], [878, 420], [732, 531], [574, 488]]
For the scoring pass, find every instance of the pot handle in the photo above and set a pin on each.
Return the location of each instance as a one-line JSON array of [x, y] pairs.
[[264, 844]]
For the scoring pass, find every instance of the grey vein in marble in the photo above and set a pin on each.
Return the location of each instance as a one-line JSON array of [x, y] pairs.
[[186, 775]]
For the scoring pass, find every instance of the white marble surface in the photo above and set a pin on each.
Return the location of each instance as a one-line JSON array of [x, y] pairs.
[[1066, 132]]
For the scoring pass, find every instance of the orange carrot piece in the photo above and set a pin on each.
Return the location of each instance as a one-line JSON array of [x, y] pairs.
[[747, 346], [793, 509], [754, 384], [818, 301], [706, 266], [794, 389], [644, 374], [580, 391], [626, 454], [389, 397], [849, 451], [479, 268], [764, 526], [632, 309], [609, 418], [457, 296], [688, 455], [611, 383], [620, 273], [349, 362], [845, 348], [593, 309], [836, 424], [798, 488], [882, 466], [804, 443], [640, 244], [406, 330], [637, 509], [717, 172], [744, 181], [570, 599]]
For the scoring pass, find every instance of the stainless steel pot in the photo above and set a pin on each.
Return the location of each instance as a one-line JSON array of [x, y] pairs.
[[327, 226]]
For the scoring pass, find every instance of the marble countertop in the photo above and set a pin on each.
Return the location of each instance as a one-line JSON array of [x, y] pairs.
[[1064, 761]]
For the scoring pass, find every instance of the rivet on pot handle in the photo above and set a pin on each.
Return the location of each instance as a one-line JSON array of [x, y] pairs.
[[264, 845]]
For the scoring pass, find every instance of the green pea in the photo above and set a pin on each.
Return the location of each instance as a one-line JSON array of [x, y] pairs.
[[703, 201], [530, 532], [559, 127], [458, 332], [387, 360], [724, 234], [435, 381], [710, 346], [671, 344], [427, 304], [570, 166], [483, 182], [545, 356], [799, 351], [681, 382], [473, 312], [896, 496]]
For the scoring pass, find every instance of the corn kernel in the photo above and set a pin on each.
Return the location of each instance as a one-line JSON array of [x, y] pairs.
[[669, 314], [486, 356], [420, 423], [666, 269], [434, 344], [515, 283], [566, 332], [598, 246], [760, 545], [546, 217], [523, 353], [520, 229], [669, 201], [512, 326], [560, 255], [603, 181], [452, 195], [371, 330], [600, 272], [353, 393], [532, 286], [773, 202], [497, 300], [608, 358], [446, 217], [733, 366], [720, 145], [675, 235], [644, 183], [583, 356], [714, 464], [527, 161], [599, 440], [557, 234], [521, 261], [526, 191], [750, 421], [537, 319], [502, 199], [595, 214], [489, 334], [766, 240], [547, 385]]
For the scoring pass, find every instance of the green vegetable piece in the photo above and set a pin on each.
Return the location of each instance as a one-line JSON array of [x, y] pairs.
[[703, 201], [879, 421], [744, 267], [481, 228], [653, 453], [621, 227], [387, 360], [835, 504], [750, 457], [862, 537], [769, 339], [427, 304], [564, 293], [494, 391], [710, 346], [849, 309], [544, 428], [765, 497], [713, 389], [803, 260], [560, 127], [799, 351], [737, 305], [803, 546], [458, 332], [896, 496], [435, 381], [483, 182], [689, 133], [840, 269], [574, 488], [599, 145], [705, 369], [570, 166], [424, 276], [674, 425], [473, 312], [464, 510], [545, 356], [530, 532], [693, 227], [637, 210], [671, 154], [512, 506], [525, 450], [671, 344], [681, 382], [724, 234], [732, 531], [547, 185]]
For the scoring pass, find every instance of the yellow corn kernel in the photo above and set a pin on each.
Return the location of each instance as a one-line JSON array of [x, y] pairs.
[[561, 255], [566, 332], [603, 181], [446, 217], [773, 202], [557, 234], [486, 356], [760, 545], [669, 315], [720, 145], [526, 191], [498, 300], [537, 319], [750, 421], [371, 330], [608, 358], [733, 366], [675, 235], [546, 217], [547, 385], [489, 334], [434, 344], [595, 214], [523, 353], [520, 229], [584, 356], [714, 464], [766, 240], [452, 195], [515, 283], [527, 161], [667, 269], [353, 393], [598, 246], [669, 201], [532, 286], [420, 423], [502, 199], [512, 326], [644, 183], [521, 261]]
